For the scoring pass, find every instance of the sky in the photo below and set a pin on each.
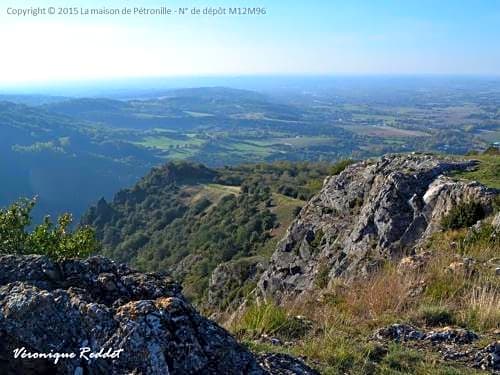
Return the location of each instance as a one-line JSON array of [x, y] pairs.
[[313, 37]]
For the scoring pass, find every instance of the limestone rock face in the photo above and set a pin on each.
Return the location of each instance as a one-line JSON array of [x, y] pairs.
[[60, 307], [371, 212], [228, 280]]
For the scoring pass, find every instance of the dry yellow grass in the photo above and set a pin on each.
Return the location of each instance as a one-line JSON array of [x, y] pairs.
[[481, 308]]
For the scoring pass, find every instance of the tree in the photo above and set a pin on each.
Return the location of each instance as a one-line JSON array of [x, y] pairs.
[[54, 240]]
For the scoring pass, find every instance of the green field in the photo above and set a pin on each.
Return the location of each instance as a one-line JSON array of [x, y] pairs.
[[167, 143], [488, 172]]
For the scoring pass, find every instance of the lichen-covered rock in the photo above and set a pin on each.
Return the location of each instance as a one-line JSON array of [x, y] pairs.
[[414, 262], [453, 335], [230, 281], [371, 212], [284, 365], [405, 332], [489, 358], [454, 344], [399, 332], [142, 319]]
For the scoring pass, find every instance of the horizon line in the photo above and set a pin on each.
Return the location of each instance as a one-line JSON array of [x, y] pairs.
[[93, 81]]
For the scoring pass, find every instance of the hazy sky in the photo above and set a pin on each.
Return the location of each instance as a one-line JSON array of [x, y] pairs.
[[305, 37]]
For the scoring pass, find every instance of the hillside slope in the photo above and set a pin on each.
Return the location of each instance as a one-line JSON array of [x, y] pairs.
[[404, 223], [66, 162], [177, 108], [188, 219]]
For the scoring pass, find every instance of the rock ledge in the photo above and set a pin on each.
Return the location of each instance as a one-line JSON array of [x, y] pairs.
[[61, 307]]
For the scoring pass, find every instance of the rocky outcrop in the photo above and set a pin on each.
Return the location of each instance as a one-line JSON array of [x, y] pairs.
[[284, 364], [454, 344], [371, 212], [405, 332], [231, 281], [134, 323]]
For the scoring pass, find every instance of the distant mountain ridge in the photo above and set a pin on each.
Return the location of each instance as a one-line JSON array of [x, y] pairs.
[[198, 103], [112, 143]]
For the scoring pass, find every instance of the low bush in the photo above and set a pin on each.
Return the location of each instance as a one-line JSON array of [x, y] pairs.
[[463, 215], [269, 319], [435, 315], [55, 240]]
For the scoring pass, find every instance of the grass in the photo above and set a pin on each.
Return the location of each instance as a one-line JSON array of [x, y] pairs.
[[333, 350], [482, 308], [213, 192], [369, 300], [224, 189], [488, 172], [401, 360], [435, 315], [269, 319], [283, 208]]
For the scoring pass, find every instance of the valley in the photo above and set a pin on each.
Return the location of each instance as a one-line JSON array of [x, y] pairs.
[[112, 142]]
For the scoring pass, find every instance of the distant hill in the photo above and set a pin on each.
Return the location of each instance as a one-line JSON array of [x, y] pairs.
[[198, 105], [67, 163], [32, 100]]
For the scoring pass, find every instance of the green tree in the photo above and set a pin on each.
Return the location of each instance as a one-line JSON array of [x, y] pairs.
[[55, 240]]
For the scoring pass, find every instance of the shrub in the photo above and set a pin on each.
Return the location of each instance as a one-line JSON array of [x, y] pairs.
[[318, 237], [492, 151], [53, 240], [267, 318], [463, 215], [340, 166], [435, 315], [481, 243], [322, 277]]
